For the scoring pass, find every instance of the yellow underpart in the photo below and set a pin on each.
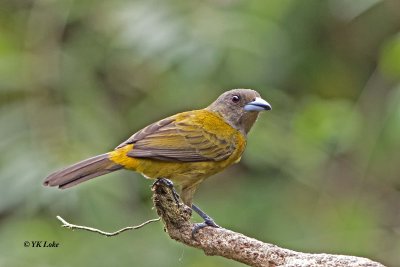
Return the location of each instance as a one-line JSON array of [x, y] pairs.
[[120, 157]]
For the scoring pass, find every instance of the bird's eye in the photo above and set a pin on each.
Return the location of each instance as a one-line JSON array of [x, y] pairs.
[[235, 98]]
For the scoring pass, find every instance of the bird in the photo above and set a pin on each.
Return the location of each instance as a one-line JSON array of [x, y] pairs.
[[185, 148]]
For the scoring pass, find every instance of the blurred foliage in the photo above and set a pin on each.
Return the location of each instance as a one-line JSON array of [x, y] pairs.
[[321, 170]]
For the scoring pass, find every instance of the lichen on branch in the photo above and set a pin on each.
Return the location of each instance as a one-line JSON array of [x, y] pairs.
[[236, 246]]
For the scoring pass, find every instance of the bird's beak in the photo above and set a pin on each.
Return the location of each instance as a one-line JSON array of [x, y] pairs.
[[258, 104]]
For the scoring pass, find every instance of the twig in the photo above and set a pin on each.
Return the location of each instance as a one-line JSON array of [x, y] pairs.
[[91, 229], [235, 246]]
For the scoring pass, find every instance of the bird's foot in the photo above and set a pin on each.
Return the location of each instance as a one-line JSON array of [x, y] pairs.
[[208, 221], [198, 226], [170, 184]]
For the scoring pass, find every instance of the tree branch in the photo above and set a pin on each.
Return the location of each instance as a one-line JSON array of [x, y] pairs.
[[235, 246], [91, 229]]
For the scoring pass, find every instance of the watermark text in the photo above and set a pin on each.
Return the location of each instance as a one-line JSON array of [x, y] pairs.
[[41, 244]]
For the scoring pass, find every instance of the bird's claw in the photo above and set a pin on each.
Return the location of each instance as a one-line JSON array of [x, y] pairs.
[[169, 184], [208, 221], [198, 226]]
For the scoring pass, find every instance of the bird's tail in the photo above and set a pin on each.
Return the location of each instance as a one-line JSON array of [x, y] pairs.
[[82, 171]]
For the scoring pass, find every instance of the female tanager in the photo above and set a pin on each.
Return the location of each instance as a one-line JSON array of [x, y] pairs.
[[185, 148]]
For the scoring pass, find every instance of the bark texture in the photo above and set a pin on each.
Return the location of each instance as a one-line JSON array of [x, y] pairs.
[[236, 246]]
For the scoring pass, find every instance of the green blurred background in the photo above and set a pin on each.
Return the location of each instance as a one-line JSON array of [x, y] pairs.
[[321, 172]]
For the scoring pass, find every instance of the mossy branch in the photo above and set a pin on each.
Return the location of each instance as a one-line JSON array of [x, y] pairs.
[[225, 243], [236, 246]]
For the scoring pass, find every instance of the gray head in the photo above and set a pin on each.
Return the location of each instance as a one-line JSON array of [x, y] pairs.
[[240, 108]]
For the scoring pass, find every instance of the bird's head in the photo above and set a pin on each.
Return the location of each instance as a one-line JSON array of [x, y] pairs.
[[240, 108]]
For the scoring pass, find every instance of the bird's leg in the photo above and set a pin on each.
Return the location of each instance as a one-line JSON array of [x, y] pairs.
[[208, 221], [170, 184]]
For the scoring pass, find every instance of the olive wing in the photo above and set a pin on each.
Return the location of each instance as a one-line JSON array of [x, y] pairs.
[[179, 138]]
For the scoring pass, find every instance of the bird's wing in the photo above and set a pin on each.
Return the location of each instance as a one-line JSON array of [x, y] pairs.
[[180, 138]]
